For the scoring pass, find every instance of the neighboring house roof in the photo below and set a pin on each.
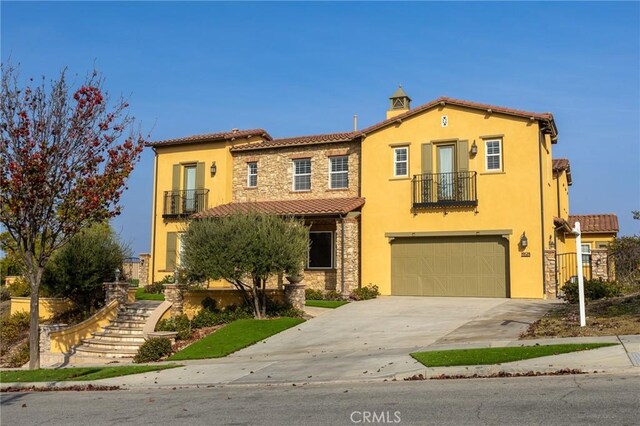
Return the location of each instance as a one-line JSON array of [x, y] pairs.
[[298, 140], [214, 137], [323, 206], [592, 223], [544, 116], [562, 164]]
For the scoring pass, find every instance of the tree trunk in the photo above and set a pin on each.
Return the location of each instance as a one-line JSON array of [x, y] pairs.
[[34, 319], [256, 299], [264, 298]]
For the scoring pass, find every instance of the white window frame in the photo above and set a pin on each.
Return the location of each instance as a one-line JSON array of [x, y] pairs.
[[487, 155], [335, 173], [294, 174], [333, 242], [585, 249], [251, 175], [396, 162]]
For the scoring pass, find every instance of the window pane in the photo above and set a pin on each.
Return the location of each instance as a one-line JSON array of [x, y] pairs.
[[339, 164], [339, 180], [252, 174], [493, 162], [302, 166], [321, 249], [401, 169], [302, 183], [401, 154]]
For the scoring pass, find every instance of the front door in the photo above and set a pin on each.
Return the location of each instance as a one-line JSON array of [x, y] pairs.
[[446, 172]]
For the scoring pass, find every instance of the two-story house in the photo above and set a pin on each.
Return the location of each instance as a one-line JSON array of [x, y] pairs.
[[452, 198]]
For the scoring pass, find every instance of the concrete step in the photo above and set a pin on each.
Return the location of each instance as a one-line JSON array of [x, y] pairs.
[[105, 352], [124, 323], [104, 344], [110, 329], [127, 316], [118, 337]]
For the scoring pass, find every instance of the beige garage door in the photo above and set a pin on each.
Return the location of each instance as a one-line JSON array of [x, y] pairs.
[[449, 266]]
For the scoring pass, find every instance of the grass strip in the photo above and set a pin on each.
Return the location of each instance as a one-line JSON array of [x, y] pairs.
[[235, 336], [490, 356], [79, 374], [141, 295], [331, 304]]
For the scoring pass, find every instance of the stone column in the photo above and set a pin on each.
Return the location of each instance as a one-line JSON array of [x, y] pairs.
[[550, 284], [143, 273], [294, 292], [351, 254], [45, 335], [116, 291], [174, 294], [599, 264]]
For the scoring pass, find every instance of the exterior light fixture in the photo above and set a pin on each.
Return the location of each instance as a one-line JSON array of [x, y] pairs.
[[214, 169], [523, 241], [117, 274], [474, 148]]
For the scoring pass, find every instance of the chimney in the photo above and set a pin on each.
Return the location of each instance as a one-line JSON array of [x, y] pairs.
[[355, 122]]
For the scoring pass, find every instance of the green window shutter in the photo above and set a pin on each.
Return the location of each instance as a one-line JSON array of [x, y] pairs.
[[462, 150], [200, 176], [175, 183], [172, 245], [427, 158]]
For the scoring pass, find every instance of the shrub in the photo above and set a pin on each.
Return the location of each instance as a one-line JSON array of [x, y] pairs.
[[4, 294], [593, 290], [20, 356], [181, 324], [79, 268], [313, 294], [207, 318], [333, 295], [626, 260], [19, 287], [134, 282], [365, 293], [155, 288], [209, 304], [154, 349], [12, 329]]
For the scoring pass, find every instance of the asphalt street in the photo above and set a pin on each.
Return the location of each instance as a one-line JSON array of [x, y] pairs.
[[577, 399]]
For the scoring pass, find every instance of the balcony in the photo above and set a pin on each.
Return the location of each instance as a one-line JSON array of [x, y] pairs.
[[433, 190], [178, 204]]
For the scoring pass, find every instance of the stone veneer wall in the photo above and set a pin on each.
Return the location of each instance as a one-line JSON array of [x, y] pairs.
[[143, 273], [275, 172], [599, 264], [351, 254], [550, 284]]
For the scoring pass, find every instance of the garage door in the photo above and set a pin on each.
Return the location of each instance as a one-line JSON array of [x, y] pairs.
[[474, 266]]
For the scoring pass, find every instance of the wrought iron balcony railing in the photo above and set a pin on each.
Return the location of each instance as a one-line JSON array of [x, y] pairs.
[[444, 189], [184, 203]]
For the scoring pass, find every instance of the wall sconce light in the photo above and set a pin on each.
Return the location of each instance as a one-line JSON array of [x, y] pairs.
[[523, 241], [474, 148], [214, 169]]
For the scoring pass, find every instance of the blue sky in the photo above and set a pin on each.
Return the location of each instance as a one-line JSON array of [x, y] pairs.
[[305, 68]]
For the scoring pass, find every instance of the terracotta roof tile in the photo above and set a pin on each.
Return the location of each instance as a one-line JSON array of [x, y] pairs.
[[544, 116], [323, 206], [595, 222], [213, 137], [298, 140], [562, 164]]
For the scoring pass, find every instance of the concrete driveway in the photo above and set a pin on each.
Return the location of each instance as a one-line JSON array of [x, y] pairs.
[[360, 341]]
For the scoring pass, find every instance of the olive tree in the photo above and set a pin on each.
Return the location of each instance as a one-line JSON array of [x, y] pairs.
[[245, 249]]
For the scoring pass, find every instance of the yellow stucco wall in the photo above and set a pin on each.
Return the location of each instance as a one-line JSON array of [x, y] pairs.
[[508, 200], [595, 240], [64, 340], [219, 187], [48, 307]]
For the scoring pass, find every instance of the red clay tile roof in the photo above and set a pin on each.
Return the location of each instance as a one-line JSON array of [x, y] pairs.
[[562, 164], [213, 137], [595, 222], [323, 206], [298, 140], [544, 116]]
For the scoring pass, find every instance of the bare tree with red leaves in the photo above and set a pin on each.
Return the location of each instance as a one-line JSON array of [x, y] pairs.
[[64, 162]]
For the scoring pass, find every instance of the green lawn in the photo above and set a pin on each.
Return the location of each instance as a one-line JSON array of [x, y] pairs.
[[235, 336], [489, 356], [141, 295], [331, 304], [79, 374]]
